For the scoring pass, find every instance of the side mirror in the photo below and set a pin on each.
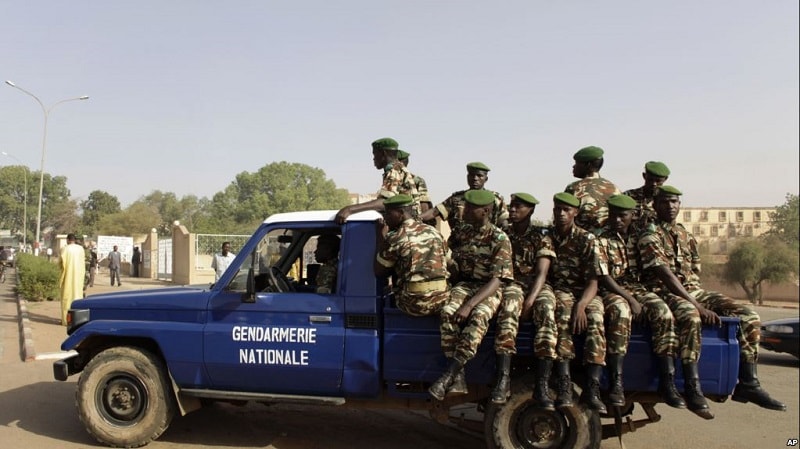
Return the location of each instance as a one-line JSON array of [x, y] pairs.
[[250, 295]]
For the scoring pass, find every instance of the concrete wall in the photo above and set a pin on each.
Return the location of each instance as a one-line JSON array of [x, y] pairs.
[[149, 253]]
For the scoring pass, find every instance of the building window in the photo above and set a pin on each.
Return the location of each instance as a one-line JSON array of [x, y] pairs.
[[731, 231], [748, 230], [723, 217], [687, 216], [703, 215], [739, 216], [757, 216], [714, 231], [696, 230]]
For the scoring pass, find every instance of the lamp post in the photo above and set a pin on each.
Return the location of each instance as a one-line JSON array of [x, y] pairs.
[[25, 202], [46, 112]]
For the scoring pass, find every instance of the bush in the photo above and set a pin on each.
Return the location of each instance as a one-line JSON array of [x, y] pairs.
[[38, 278]]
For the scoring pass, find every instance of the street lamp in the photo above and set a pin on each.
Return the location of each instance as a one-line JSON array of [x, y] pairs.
[[46, 112], [25, 202]]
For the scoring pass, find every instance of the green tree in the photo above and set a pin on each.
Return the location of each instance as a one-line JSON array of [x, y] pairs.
[[785, 221], [752, 262], [274, 188], [138, 218], [12, 199], [97, 205]]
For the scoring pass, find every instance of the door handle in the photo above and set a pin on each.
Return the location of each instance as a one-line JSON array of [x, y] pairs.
[[319, 318]]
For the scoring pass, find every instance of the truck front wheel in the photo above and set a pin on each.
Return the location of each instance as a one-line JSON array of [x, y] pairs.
[[518, 424], [123, 397]]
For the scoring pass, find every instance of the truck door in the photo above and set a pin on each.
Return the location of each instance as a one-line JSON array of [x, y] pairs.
[[290, 340]]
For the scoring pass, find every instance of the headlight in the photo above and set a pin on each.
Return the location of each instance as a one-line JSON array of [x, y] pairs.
[[779, 329]]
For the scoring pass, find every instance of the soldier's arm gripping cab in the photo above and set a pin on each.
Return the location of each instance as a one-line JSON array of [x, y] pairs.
[[259, 334]]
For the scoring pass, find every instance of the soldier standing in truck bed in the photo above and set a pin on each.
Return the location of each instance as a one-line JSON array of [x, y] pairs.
[[591, 189]]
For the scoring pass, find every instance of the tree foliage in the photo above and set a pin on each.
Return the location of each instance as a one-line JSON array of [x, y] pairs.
[[96, 206], [138, 218], [786, 221], [752, 262], [13, 180]]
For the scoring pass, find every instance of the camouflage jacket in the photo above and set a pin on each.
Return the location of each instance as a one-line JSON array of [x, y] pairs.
[[593, 191], [673, 246], [452, 209], [416, 251], [398, 180], [326, 276], [532, 244], [618, 257], [481, 253], [422, 188], [575, 261], [644, 214]]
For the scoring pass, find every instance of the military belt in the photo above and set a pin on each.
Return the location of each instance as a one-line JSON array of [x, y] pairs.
[[425, 286]]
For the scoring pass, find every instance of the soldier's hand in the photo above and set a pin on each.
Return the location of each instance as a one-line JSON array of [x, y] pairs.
[[708, 316], [462, 314], [380, 227], [579, 320], [636, 309], [527, 310], [342, 215]]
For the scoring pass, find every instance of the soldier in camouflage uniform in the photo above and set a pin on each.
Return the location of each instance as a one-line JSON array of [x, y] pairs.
[[481, 254], [327, 253], [671, 265], [655, 174], [618, 273], [571, 277], [591, 189], [396, 179], [532, 250], [425, 203], [452, 209], [415, 253]]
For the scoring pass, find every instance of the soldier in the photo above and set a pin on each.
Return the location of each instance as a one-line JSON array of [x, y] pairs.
[[481, 253], [425, 203], [396, 179], [655, 174], [327, 254], [671, 266], [532, 250], [452, 209], [591, 189], [414, 252], [571, 277], [618, 274]]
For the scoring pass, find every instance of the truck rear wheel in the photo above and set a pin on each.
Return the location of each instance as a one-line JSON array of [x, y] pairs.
[[123, 397], [518, 424]]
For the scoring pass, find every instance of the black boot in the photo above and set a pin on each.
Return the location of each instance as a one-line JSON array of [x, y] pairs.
[[541, 389], [749, 389], [459, 384], [666, 382], [439, 388], [563, 384], [502, 389], [695, 400], [616, 392], [591, 389]]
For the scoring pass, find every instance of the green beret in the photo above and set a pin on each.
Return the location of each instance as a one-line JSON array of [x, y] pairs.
[[622, 202], [588, 154], [567, 198], [396, 201], [386, 143], [668, 190], [477, 166], [657, 168], [479, 197], [402, 154], [525, 197]]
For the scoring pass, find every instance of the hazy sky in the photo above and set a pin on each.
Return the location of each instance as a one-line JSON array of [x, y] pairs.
[[187, 94]]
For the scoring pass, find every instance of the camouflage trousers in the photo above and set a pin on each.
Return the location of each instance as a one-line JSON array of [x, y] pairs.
[[749, 333], [552, 314], [618, 323], [421, 304], [505, 339], [688, 327], [661, 321], [460, 342]]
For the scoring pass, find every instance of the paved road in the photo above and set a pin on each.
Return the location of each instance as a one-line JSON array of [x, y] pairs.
[[37, 411]]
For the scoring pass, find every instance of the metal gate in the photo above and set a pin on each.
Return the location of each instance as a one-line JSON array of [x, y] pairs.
[[164, 260]]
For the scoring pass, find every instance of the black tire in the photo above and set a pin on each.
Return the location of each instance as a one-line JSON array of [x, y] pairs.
[[124, 398], [517, 424]]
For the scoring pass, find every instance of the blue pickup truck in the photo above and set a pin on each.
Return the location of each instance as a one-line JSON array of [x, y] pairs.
[[262, 333]]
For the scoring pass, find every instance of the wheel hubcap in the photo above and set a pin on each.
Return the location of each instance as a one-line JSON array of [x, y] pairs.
[[122, 400]]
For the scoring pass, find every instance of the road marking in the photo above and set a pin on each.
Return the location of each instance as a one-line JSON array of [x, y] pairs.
[[55, 355]]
